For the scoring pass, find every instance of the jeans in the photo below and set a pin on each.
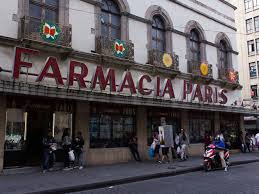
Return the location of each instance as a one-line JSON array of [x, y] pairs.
[[78, 158], [46, 157], [134, 150]]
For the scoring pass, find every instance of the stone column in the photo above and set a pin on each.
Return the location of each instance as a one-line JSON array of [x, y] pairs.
[[185, 121], [141, 119], [216, 123], [2, 129], [82, 120], [242, 126]]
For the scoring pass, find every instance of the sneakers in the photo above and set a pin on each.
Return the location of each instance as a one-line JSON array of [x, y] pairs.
[[81, 167], [67, 168], [226, 169], [44, 171]]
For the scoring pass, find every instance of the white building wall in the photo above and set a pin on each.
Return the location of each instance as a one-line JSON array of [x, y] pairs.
[[9, 28]]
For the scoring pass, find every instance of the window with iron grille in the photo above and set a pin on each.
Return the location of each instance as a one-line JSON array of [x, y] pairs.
[[110, 19]]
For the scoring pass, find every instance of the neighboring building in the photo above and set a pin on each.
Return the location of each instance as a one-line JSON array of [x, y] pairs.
[[247, 23], [114, 67]]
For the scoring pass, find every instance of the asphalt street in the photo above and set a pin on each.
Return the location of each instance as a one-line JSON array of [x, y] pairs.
[[239, 179]]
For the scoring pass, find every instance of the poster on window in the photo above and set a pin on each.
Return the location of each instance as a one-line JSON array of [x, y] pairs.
[[166, 135]]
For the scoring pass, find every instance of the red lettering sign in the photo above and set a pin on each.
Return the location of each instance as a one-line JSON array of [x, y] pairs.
[[76, 76], [197, 93], [187, 88], [208, 94], [140, 85], [51, 62], [103, 82], [127, 83], [18, 63], [168, 88], [223, 96]]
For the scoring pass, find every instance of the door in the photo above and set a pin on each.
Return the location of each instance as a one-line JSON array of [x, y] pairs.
[[38, 124]]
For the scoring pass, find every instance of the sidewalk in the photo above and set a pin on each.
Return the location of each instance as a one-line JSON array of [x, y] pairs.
[[102, 176]]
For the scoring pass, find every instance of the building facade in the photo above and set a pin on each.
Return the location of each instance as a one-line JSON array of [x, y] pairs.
[[247, 22], [111, 68]]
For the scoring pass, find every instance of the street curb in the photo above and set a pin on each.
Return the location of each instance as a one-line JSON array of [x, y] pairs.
[[104, 184]]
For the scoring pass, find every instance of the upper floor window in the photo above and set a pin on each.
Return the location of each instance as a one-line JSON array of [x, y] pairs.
[[248, 5], [158, 34], [195, 46], [252, 69], [40, 10], [223, 56], [257, 45], [251, 47], [256, 4], [249, 25], [256, 21], [110, 19]]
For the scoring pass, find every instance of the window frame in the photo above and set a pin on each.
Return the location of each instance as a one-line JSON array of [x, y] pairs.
[[252, 74], [192, 49], [251, 47], [110, 25], [249, 23], [162, 31], [248, 5], [256, 23]]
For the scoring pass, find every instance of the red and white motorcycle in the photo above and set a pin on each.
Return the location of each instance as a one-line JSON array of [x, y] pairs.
[[212, 158]]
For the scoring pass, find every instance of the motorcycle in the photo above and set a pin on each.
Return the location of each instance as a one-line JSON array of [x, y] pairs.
[[212, 158]]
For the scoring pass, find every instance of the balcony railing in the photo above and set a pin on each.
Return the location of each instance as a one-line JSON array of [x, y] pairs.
[[162, 59], [228, 74], [31, 29], [114, 47], [194, 67]]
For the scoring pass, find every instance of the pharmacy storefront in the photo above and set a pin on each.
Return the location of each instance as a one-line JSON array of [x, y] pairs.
[[41, 92]]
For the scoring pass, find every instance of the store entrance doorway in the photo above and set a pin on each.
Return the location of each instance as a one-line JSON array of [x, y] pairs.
[[38, 124]]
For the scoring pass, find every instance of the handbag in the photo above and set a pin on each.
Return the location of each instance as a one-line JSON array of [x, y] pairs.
[[151, 152], [71, 155]]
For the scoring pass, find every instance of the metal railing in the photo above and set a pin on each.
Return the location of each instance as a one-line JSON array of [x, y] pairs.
[[155, 57], [194, 68], [105, 46], [30, 30]]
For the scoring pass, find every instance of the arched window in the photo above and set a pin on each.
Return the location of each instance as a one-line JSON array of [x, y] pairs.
[[195, 46], [223, 54], [110, 19], [158, 34]]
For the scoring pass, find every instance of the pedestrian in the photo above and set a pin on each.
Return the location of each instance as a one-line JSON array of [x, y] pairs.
[[177, 145], [227, 140], [133, 146], [247, 142], [257, 141], [183, 144], [242, 143], [206, 140], [48, 151], [78, 150], [67, 147], [165, 150], [156, 143]]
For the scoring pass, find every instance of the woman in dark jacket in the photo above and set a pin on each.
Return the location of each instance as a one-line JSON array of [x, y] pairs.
[[78, 149]]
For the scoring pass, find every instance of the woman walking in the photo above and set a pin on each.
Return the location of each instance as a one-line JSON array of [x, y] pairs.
[[67, 143], [78, 148], [156, 142], [183, 144]]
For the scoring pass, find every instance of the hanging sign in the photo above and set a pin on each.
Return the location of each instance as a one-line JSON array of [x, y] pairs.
[[49, 32], [204, 69], [119, 48], [167, 60]]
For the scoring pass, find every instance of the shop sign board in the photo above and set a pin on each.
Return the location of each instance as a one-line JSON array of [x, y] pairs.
[[104, 80]]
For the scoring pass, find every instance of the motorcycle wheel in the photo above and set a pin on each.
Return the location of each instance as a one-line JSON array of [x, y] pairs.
[[207, 166]]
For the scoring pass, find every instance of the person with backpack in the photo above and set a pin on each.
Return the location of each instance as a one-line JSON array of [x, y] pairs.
[[78, 146]]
